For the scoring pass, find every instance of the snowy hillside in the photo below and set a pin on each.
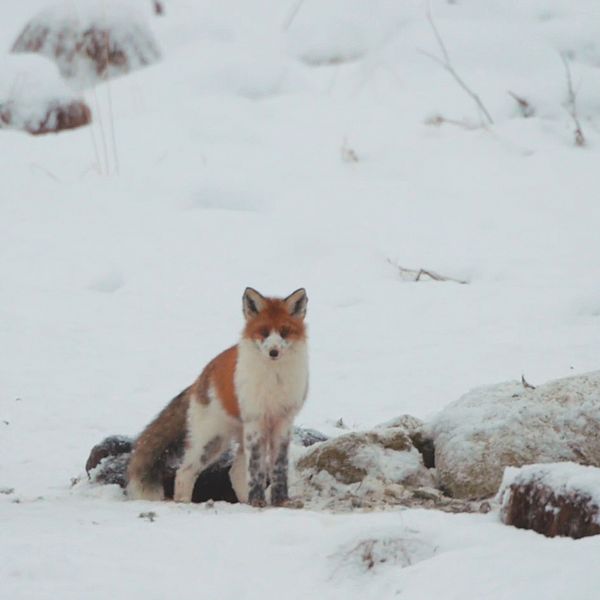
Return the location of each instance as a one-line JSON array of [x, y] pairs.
[[323, 148]]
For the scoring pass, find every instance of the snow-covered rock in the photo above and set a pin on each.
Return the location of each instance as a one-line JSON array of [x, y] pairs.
[[553, 499], [509, 424], [385, 455], [92, 40], [419, 436], [368, 469], [34, 98]]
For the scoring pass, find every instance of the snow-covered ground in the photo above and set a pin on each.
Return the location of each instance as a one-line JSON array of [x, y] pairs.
[[257, 153]]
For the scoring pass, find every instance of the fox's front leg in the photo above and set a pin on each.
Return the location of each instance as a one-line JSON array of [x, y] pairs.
[[279, 450], [255, 449]]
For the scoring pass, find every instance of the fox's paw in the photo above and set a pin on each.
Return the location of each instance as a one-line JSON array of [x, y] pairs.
[[136, 490], [257, 502], [290, 503]]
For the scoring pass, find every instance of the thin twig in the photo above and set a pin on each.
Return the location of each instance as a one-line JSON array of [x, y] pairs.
[[572, 104], [422, 274], [439, 120], [526, 384], [102, 135], [295, 10], [111, 119], [446, 64]]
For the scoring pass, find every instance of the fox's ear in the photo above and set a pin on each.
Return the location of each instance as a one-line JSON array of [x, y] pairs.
[[296, 303], [253, 302]]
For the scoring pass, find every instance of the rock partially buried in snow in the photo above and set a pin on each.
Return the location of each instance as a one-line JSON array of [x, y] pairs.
[[35, 99], [509, 424], [419, 436], [370, 470], [90, 41], [387, 454], [552, 499], [108, 461]]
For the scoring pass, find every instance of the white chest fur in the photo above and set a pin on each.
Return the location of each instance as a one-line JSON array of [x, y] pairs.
[[271, 388]]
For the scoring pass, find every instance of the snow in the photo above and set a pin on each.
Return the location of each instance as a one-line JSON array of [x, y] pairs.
[[562, 478], [30, 86], [122, 267]]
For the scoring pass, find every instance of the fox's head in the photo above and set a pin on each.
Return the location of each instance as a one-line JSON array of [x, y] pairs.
[[275, 324]]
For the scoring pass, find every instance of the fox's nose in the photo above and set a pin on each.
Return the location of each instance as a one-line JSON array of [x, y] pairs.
[[274, 353]]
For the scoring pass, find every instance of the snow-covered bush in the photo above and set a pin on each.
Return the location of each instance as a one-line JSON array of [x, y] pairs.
[[553, 499], [509, 424], [90, 41], [34, 98]]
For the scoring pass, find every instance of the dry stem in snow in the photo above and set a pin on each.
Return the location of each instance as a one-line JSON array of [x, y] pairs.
[[439, 120], [447, 65], [572, 103], [347, 153], [290, 19], [525, 107], [423, 274]]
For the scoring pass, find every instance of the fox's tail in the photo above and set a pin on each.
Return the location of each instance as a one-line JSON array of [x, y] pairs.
[[160, 442]]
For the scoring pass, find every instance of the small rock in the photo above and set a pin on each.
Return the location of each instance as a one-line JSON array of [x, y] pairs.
[[427, 493], [149, 516], [560, 499]]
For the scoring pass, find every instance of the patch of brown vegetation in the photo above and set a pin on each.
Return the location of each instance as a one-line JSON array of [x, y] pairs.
[[95, 46], [58, 117]]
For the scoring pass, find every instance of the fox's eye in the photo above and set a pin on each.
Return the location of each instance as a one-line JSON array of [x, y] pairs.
[[264, 332], [285, 331]]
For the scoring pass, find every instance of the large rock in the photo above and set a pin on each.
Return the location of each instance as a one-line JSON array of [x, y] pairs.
[[35, 99], [513, 424], [552, 499], [385, 454], [91, 41], [369, 469]]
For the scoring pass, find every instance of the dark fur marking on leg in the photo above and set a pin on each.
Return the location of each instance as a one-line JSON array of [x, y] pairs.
[[256, 472], [279, 487]]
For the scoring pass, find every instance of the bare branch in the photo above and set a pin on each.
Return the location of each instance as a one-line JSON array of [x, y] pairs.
[[446, 64], [423, 274], [572, 103]]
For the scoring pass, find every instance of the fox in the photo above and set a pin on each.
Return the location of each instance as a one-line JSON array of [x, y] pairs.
[[249, 394]]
